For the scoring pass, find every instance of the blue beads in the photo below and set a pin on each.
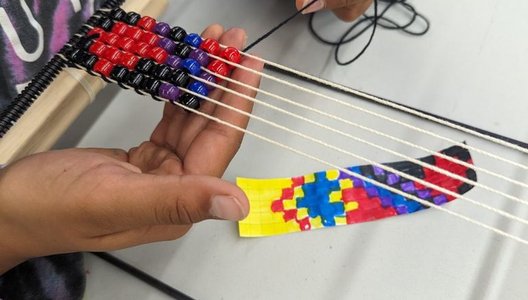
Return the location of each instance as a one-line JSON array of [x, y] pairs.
[[193, 39], [192, 66], [198, 88]]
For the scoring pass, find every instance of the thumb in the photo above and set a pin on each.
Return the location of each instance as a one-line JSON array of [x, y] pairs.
[[178, 200]]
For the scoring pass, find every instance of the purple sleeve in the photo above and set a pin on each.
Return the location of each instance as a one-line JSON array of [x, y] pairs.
[[31, 32]]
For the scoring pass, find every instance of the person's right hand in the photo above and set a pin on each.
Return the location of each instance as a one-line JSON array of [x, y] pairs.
[[346, 10]]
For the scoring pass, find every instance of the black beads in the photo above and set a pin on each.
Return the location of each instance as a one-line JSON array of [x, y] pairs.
[[183, 50], [180, 78], [119, 74], [135, 79], [75, 55], [177, 34], [106, 23], [85, 43], [190, 101], [118, 14], [151, 86], [145, 66], [89, 61], [132, 18], [162, 72]]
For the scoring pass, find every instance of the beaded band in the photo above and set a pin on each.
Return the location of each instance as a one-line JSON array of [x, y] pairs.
[[151, 57]]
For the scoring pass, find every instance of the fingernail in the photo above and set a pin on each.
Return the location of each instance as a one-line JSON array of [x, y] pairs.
[[317, 6], [227, 208]]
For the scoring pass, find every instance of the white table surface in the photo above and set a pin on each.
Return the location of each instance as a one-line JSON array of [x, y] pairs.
[[472, 67]]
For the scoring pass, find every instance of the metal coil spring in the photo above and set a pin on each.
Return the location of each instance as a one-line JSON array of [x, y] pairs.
[[44, 78]]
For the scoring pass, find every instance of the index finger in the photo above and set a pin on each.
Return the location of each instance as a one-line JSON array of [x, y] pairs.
[[211, 152]]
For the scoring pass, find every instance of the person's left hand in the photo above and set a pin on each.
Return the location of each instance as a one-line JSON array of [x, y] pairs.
[[206, 147]]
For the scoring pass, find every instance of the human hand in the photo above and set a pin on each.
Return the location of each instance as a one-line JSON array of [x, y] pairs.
[[346, 10], [102, 199]]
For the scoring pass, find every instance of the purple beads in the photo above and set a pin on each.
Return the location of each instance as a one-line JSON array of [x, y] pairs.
[[174, 61], [378, 171], [167, 44], [162, 29], [423, 194], [209, 78], [408, 187], [386, 201], [372, 191], [200, 56], [170, 92], [439, 200], [393, 179], [401, 210]]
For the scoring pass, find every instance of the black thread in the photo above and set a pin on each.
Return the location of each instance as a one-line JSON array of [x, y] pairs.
[[380, 20], [146, 278], [267, 34]]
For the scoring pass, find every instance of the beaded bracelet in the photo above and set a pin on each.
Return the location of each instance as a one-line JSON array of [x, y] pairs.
[[151, 57]]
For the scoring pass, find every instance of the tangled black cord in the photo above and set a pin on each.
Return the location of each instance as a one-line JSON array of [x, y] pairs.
[[375, 20]]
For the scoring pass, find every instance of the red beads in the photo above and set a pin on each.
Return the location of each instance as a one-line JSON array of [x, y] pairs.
[[103, 67], [134, 32], [210, 46], [147, 23], [158, 54], [113, 54], [109, 38], [218, 67], [97, 48], [125, 43], [119, 28], [231, 54], [95, 31], [129, 60], [150, 38], [141, 49]]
